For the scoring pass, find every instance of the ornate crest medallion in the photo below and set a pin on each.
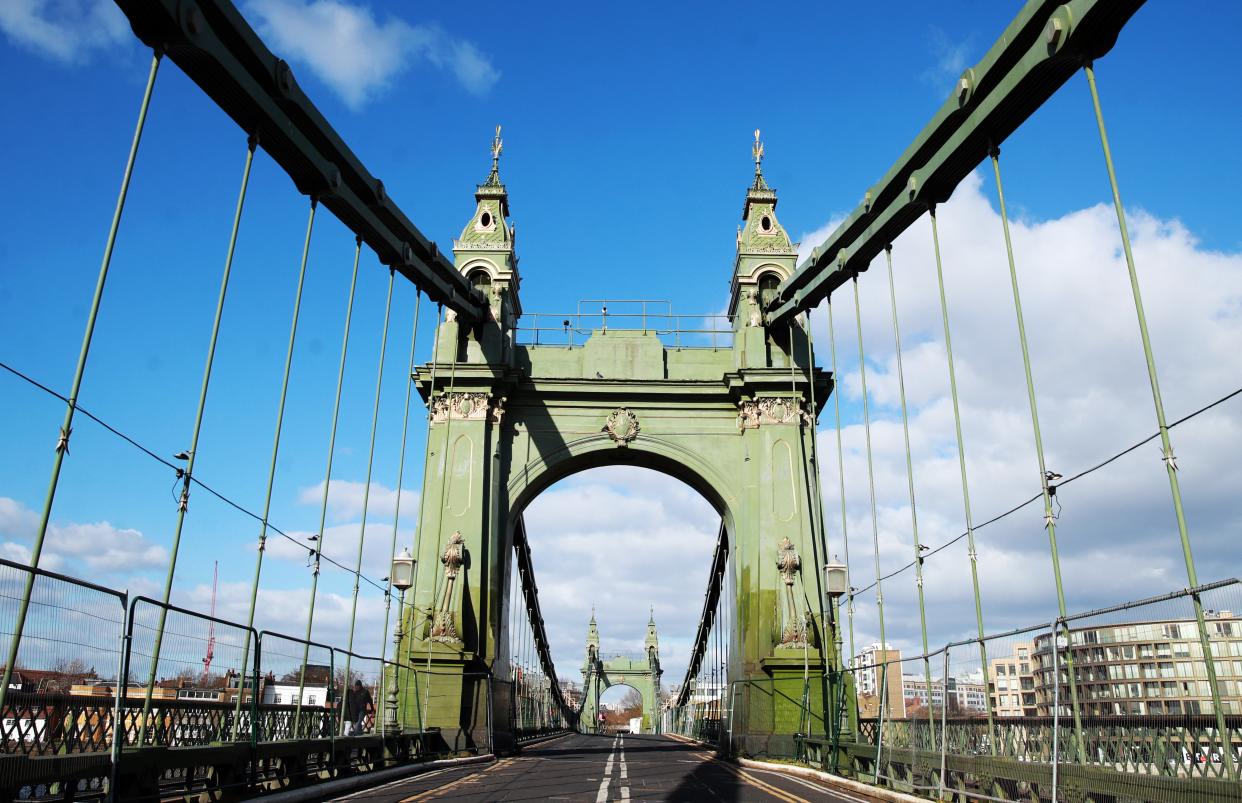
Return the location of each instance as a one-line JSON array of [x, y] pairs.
[[622, 426]]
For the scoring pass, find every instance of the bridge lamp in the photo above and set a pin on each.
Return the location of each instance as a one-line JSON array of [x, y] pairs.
[[836, 578], [403, 571], [402, 575]]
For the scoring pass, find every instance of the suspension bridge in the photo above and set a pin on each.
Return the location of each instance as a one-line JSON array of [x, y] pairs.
[[1140, 700]]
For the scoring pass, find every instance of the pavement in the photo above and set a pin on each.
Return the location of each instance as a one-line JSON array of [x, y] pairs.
[[591, 768]]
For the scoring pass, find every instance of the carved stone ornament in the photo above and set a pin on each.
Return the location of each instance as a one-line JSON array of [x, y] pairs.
[[622, 426], [444, 629], [789, 564], [460, 407], [770, 410], [787, 560]]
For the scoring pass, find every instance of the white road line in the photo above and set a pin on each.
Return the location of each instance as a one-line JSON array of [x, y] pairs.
[[625, 773], [809, 784], [602, 795]]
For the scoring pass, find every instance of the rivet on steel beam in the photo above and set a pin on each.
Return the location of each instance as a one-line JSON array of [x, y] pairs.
[[1052, 34], [381, 194], [284, 77], [191, 20], [965, 88], [333, 179]]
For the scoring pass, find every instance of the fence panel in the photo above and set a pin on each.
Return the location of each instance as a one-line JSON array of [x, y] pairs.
[[297, 700], [185, 678], [62, 691]]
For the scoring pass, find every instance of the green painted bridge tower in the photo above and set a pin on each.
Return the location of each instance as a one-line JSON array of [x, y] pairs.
[[734, 420], [641, 673]]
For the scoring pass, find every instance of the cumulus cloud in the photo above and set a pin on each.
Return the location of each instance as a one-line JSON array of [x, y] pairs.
[[68, 31], [100, 547], [624, 540], [1117, 535], [345, 500], [358, 55]]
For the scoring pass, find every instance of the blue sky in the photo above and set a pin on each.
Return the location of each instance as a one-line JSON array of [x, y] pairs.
[[627, 133]]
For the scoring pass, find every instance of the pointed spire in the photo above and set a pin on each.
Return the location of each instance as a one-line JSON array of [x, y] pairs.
[[759, 191], [498, 144], [651, 621], [756, 150]]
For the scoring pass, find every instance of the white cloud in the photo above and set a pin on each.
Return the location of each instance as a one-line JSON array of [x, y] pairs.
[[69, 31], [345, 500], [100, 547], [951, 59], [1117, 537], [359, 56], [624, 540]]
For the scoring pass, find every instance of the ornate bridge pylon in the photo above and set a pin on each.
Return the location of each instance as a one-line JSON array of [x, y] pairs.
[[733, 421]]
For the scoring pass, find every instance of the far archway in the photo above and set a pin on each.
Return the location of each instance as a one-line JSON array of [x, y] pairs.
[[640, 672]]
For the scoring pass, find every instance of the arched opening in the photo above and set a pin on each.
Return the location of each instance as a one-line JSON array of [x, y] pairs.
[[617, 548], [480, 279], [768, 283], [622, 707]]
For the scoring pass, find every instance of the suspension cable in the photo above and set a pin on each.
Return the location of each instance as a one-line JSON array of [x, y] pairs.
[[327, 484], [183, 504], [366, 490]]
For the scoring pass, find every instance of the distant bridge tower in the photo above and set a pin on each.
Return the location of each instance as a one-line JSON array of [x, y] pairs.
[[641, 673]]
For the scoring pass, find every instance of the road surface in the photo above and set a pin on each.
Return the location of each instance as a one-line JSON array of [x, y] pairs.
[[581, 767]]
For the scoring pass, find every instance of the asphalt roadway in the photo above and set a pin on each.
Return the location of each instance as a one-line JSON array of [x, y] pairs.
[[581, 767]]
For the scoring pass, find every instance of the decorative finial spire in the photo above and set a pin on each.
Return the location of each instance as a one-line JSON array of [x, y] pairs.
[[757, 150], [498, 145], [651, 621]]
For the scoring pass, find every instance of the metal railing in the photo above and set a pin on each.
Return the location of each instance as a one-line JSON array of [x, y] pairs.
[[674, 330], [1143, 726], [230, 707]]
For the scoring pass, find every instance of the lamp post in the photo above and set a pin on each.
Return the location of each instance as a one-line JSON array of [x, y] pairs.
[[836, 585], [402, 578]]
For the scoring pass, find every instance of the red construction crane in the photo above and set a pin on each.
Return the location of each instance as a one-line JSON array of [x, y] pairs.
[[211, 623]]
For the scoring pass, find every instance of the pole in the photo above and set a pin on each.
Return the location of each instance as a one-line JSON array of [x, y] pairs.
[[914, 516], [396, 516], [187, 475], [971, 552], [66, 428], [845, 531], [875, 526], [327, 484], [280, 420], [1170, 462], [366, 491], [1050, 522]]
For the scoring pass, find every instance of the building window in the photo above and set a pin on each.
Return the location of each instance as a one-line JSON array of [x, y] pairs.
[[278, 699], [310, 699]]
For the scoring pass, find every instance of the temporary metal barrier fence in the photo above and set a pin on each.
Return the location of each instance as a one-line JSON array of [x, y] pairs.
[[1144, 729], [63, 686]]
